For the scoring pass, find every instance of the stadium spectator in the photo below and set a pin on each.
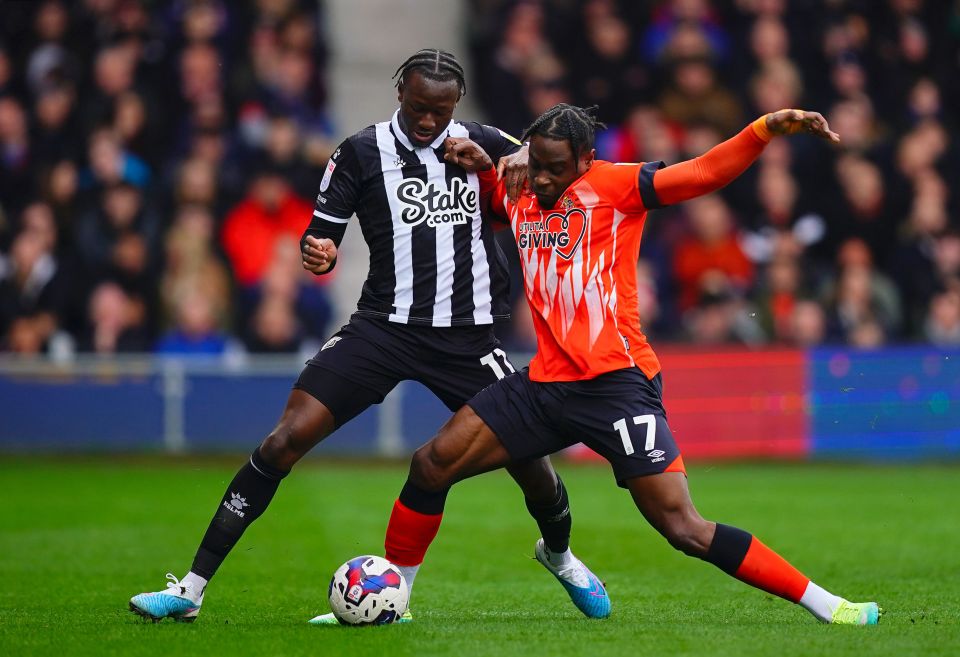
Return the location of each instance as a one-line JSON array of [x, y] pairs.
[[116, 322], [59, 189], [195, 331], [808, 324], [114, 74], [56, 131], [50, 60], [856, 315], [709, 260], [7, 79], [695, 95], [33, 285], [780, 290], [283, 149], [110, 164], [16, 173], [916, 252], [121, 236], [299, 302], [269, 212], [193, 265], [605, 71]]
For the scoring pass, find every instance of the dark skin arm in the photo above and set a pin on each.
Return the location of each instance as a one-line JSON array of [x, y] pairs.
[[318, 254], [793, 121], [469, 155]]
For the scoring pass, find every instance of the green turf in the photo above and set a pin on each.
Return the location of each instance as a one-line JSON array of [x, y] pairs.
[[78, 538]]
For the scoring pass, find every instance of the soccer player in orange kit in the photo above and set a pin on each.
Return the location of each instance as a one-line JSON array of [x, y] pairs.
[[595, 377]]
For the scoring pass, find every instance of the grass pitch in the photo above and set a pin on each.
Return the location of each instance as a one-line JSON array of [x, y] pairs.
[[79, 537]]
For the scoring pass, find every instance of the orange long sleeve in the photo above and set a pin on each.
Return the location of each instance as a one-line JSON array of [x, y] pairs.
[[714, 169]]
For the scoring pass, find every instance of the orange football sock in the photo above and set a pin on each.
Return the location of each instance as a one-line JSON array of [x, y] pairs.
[[767, 570], [742, 555], [409, 534]]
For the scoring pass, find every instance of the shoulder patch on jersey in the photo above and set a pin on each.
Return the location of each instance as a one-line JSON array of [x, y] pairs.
[[509, 138], [329, 343], [328, 174]]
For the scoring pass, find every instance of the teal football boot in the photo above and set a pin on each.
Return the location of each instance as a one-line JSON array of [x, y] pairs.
[[585, 589]]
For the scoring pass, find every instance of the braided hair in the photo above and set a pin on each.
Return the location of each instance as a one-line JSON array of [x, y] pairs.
[[433, 64], [564, 122]]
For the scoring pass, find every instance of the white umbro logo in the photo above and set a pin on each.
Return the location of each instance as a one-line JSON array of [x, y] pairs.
[[656, 453]]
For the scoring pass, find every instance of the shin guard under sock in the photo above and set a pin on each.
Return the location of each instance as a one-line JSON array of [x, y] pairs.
[[554, 520], [743, 556], [247, 496], [414, 524]]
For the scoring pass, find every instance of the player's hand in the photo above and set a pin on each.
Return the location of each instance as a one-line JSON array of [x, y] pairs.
[[467, 154], [513, 168], [792, 121], [318, 253]]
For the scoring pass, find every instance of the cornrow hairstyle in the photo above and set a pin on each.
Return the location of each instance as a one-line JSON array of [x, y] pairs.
[[578, 125], [433, 64]]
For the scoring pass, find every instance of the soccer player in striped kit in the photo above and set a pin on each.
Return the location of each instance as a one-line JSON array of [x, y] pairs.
[[595, 377], [437, 282]]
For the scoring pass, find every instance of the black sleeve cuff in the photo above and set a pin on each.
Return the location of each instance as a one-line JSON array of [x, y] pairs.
[[648, 194], [318, 228]]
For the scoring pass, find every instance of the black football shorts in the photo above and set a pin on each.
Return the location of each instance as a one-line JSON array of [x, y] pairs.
[[618, 414], [368, 357]]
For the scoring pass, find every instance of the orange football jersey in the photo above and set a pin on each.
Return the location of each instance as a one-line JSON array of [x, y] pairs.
[[579, 265]]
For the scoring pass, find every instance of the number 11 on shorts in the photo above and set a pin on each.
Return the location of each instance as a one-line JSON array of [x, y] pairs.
[[649, 420]]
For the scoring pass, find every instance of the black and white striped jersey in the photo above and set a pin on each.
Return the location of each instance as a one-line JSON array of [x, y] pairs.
[[433, 260]]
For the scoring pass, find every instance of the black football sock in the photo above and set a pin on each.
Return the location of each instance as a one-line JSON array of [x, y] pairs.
[[554, 520], [247, 496], [421, 500]]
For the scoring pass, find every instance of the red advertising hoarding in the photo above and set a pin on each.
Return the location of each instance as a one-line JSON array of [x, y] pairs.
[[734, 403]]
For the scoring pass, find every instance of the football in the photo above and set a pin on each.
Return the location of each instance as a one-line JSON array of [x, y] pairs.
[[368, 590]]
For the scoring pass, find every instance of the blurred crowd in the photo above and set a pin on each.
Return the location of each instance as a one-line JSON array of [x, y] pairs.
[[852, 245], [157, 167], [158, 162]]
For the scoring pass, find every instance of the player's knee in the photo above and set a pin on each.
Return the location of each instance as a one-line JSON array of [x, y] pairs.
[[537, 479], [428, 469], [686, 533], [279, 448]]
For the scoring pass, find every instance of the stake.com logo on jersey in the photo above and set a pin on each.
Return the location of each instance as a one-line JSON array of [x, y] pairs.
[[561, 232], [438, 206]]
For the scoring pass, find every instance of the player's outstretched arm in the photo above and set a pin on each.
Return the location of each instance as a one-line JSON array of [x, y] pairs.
[[722, 164], [793, 121]]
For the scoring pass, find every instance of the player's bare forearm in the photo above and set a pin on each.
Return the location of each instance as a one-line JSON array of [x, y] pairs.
[[318, 254], [467, 154], [512, 169], [724, 162]]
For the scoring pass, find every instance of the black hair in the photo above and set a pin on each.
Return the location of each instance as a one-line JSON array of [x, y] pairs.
[[433, 64], [564, 122]]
